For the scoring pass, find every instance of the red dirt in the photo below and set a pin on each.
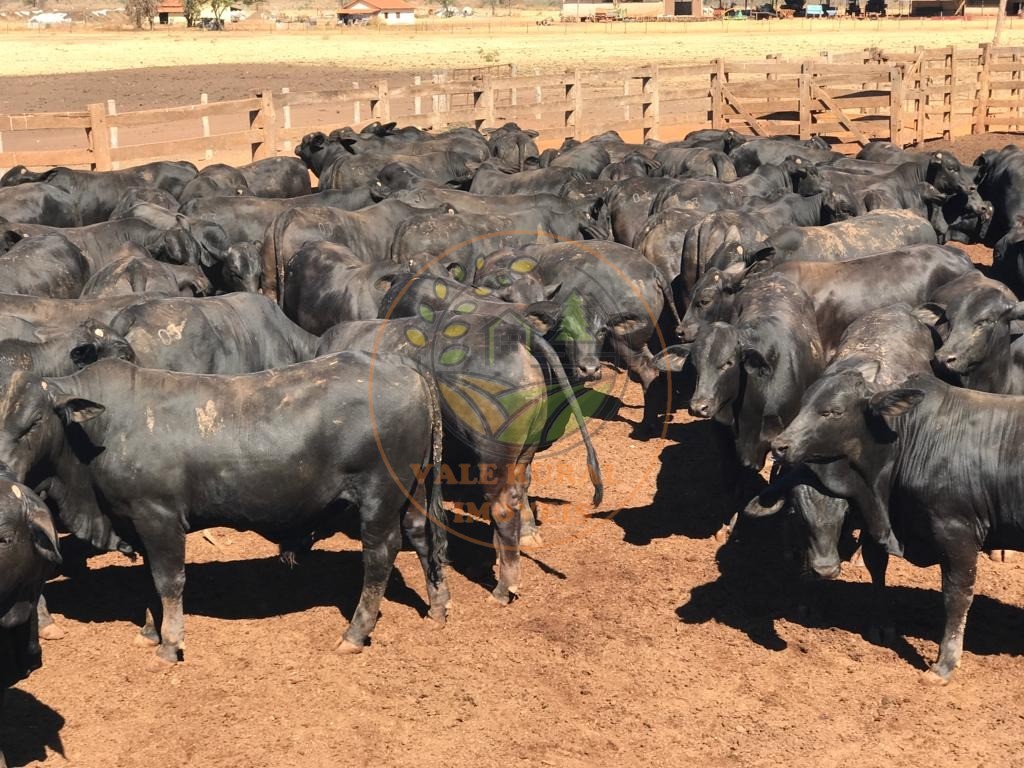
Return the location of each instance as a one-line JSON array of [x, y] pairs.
[[638, 640]]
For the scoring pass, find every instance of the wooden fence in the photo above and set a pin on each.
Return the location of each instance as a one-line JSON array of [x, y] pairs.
[[850, 98]]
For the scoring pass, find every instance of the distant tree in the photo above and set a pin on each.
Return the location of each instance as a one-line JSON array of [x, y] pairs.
[[141, 12], [997, 37], [218, 7], [193, 10]]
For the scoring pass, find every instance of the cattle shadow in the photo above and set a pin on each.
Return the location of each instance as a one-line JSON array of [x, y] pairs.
[[696, 488], [237, 589], [756, 587], [28, 727]]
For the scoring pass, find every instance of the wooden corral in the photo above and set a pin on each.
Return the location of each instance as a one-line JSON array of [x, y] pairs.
[[851, 99]]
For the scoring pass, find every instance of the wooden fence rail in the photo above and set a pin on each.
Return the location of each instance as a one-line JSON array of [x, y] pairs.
[[906, 98]]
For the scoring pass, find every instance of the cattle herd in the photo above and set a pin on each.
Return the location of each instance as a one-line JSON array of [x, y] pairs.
[[182, 349]]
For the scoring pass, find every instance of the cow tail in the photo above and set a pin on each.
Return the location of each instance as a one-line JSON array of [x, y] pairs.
[[551, 358], [273, 263], [436, 517]]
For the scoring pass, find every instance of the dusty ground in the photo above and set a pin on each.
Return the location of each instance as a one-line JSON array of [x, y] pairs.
[[638, 640], [83, 67]]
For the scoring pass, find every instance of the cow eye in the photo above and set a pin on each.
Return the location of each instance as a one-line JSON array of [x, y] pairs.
[[6, 540], [831, 413], [985, 321], [703, 302]]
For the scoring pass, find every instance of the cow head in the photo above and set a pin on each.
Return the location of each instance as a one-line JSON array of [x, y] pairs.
[[979, 329], [715, 356], [242, 267], [712, 299], [840, 417], [946, 174], [28, 550], [19, 174], [95, 341]]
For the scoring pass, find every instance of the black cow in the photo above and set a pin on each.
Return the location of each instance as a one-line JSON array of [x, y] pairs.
[[843, 291], [934, 462], [633, 166], [709, 195], [237, 333], [368, 233], [28, 557], [63, 313], [496, 353], [38, 203], [980, 350], [336, 438], [47, 265], [277, 177], [512, 145], [553, 181], [326, 284], [217, 180], [756, 152], [247, 218], [694, 162], [874, 232], [135, 195], [96, 193], [133, 270], [64, 353], [628, 204]]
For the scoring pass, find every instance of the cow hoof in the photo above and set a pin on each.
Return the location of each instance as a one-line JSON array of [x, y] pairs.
[[145, 641], [168, 654], [931, 677], [857, 561], [722, 534], [1001, 555], [531, 540], [52, 632], [439, 616], [504, 596], [346, 648]]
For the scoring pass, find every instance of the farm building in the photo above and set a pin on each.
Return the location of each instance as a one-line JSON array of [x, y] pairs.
[[173, 12], [599, 11], [386, 11]]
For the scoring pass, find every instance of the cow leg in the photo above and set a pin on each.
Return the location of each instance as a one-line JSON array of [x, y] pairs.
[[506, 514], [382, 538], [880, 628], [958, 575], [415, 525], [165, 554], [529, 534], [48, 628]]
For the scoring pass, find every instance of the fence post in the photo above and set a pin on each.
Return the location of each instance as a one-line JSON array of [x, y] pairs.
[[514, 73], [380, 105], [264, 120], [949, 83], [571, 86], [804, 101], [204, 98], [111, 111], [981, 110], [652, 122], [717, 101], [417, 100], [483, 102], [356, 108], [99, 137], [896, 106], [286, 118]]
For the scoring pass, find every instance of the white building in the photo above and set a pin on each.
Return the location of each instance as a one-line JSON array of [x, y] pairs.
[[387, 11]]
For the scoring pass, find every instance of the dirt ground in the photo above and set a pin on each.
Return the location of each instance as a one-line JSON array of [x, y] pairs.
[[91, 66], [638, 640]]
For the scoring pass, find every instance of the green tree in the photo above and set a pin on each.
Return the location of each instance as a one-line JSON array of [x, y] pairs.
[[218, 7], [193, 10], [141, 12]]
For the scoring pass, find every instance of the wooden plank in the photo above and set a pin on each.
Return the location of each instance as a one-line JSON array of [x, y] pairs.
[[896, 106], [147, 117], [732, 103], [327, 97], [46, 158], [45, 121], [821, 95], [181, 147], [717, 100], [984, 92]]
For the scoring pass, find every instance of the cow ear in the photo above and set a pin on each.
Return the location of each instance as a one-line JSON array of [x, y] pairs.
[[624, 325], [550, 291], [732, 276], [85, 354], [672, 358], [930, 313], [1016, 312], [40, 523], [763, 253], [76, 409], [543, 316], [531, 133], [755, 363], [869, 369], [894, 402]]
